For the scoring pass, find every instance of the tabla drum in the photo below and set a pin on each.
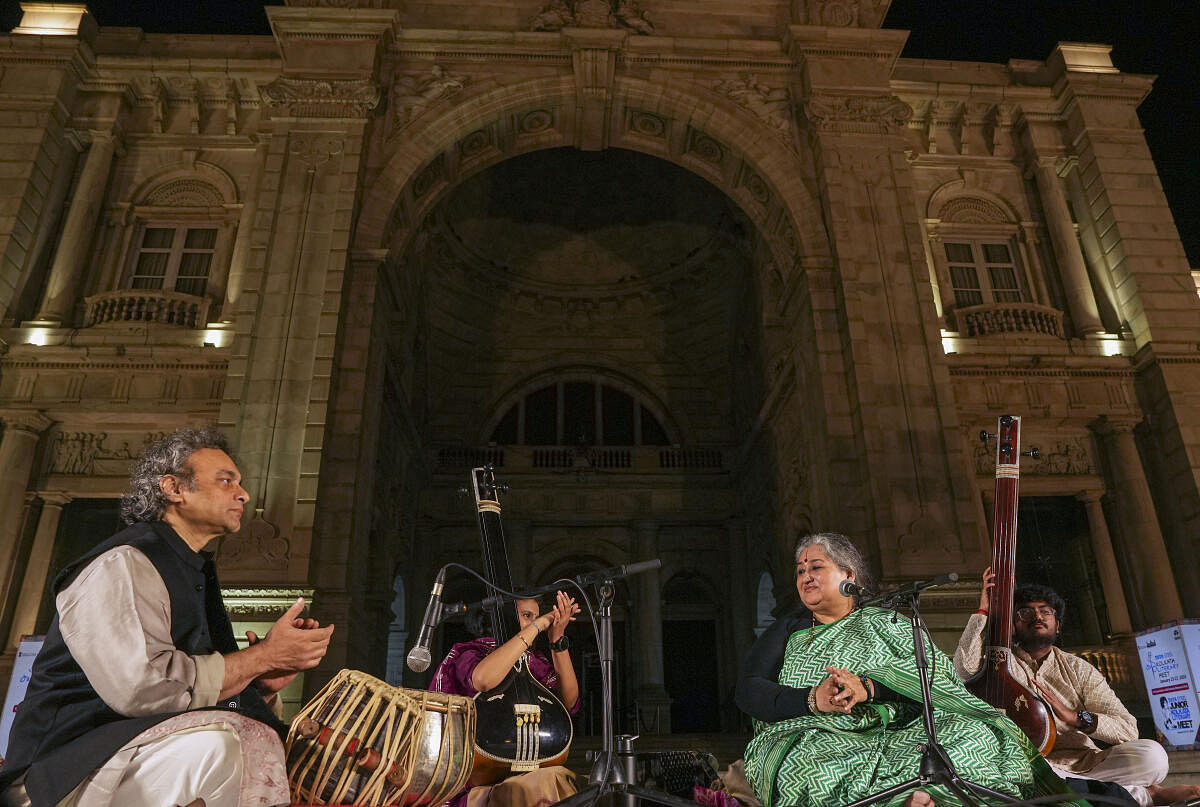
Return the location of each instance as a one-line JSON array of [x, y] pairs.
[[361, 741]]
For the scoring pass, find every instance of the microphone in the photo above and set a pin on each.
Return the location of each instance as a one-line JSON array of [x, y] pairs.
[[614, 572], [913, 589], [418, 657], [452, 610], [848, 588]]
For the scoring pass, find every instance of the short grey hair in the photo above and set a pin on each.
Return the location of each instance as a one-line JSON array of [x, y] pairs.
[[144, 500], [841, 550]]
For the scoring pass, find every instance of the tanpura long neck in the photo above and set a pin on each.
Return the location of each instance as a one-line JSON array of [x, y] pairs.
[[1004, 532], [495, 563]]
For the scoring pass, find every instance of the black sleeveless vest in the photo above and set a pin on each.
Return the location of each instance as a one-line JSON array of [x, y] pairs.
[[63, 730]]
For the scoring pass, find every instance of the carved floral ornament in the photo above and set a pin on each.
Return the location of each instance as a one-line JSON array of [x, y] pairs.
[[857, 113], [320, 98]]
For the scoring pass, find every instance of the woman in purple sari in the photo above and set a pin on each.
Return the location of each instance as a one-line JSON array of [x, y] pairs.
[[478, 666]]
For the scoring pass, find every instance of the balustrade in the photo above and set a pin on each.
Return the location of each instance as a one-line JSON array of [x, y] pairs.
[[985, 320], [146, 305]]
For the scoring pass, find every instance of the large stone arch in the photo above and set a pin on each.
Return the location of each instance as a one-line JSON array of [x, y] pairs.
[[760, 170]]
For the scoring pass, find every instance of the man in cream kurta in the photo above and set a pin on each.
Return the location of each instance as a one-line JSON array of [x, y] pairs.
[[140, 697], [1097, 736]]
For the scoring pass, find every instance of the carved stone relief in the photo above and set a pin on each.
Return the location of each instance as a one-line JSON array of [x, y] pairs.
[[413, 92], [535, 121], [83, 453], [476, 143], [752, 182], [559, 14], [257, 544], [872, 114], [705, 147], [321, 99], [771, 105], [184, 193], [314, 148], [1064, 457], [845, 13], [647, 125], [972, 210]]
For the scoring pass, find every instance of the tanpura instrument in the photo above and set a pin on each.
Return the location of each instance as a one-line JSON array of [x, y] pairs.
[[521, 725], [994, 684]]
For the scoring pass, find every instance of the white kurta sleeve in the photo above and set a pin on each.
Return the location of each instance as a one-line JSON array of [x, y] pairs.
[[116, 619], [968, 656]]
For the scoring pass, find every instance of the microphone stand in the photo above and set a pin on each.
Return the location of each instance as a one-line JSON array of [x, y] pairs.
[[614, 767], [936, 768]]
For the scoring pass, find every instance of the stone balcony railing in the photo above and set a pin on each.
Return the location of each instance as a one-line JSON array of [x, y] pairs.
[[1021, 318], [146, 305], [617, 459]]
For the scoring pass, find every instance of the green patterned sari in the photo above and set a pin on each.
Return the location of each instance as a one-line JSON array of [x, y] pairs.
[[825, 760]]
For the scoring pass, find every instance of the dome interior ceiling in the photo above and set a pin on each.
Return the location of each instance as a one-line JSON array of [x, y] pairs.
[[567, 218]]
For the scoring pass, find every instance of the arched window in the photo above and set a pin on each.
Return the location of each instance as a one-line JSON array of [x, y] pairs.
[[979, 249], [176, 239], [986, 278], [580, 413]]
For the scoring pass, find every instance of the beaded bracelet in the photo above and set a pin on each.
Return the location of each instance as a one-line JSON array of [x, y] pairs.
[[812, 701]]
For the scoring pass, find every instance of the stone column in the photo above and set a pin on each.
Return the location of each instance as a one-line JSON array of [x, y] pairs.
[[70, 261], [29, 599], [1144, 550], [1106, 563], [1077, 286], [22, 428], [654, 704]]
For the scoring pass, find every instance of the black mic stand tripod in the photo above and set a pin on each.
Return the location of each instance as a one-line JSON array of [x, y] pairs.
[[614, 767]]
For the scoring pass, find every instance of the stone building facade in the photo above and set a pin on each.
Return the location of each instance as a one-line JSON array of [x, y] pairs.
[[697, 278]]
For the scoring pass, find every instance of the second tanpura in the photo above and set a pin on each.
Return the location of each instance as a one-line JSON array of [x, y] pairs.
[[993, 683]]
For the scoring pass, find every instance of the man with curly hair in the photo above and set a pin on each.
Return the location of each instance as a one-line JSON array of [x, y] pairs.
[[140, 695], [1097, 739]]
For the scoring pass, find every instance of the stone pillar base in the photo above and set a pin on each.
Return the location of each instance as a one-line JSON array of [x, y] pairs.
[[653, 710]]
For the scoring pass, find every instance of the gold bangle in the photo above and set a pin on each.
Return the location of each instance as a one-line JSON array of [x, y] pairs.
[[521, 636]]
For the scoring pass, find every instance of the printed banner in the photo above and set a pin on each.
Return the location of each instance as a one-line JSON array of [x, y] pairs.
[[1169, 655], [26, 652]]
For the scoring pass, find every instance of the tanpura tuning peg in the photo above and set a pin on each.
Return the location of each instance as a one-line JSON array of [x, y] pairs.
[[1034, 453], [985, 435]]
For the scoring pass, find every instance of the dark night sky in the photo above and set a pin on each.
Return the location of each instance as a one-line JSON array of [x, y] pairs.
[[1157, 37]]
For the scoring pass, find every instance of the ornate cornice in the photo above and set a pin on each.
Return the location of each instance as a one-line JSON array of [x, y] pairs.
[[319, 98]]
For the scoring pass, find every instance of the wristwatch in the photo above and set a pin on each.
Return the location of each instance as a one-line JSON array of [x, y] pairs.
[[1088, 721], [561, 644]]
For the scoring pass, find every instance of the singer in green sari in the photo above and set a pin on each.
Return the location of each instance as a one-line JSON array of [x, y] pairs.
[[838, 717]]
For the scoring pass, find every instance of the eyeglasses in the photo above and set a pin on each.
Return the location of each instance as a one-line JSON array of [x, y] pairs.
[[1027, 613]]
